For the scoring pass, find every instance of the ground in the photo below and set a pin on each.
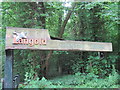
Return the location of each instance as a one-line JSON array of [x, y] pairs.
[[75, 81]]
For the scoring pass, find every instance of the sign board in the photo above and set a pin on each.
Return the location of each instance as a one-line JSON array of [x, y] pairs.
[[39, 39]]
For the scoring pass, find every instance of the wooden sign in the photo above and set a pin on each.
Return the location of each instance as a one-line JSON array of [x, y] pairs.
[[25, 38]]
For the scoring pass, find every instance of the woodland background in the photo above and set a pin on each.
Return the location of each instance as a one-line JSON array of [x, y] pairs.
[[79, 21]]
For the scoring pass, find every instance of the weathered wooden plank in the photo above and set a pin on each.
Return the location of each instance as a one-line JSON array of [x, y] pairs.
[[67, 45], [40, 40], [30, 33]]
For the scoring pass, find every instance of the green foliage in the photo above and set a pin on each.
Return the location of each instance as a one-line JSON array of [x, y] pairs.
[[96, 67], [79, 80], [28, 77], [43, 83], [30, 62], [90, 21], [76, 67]]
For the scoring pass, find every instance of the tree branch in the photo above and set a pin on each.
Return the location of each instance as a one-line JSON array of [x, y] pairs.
[[62, 28], [66, 20]]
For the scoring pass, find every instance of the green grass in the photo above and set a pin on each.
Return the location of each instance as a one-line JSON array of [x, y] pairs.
[[76, 81], [86, 81]]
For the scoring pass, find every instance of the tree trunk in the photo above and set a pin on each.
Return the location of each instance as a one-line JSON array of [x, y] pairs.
[[62, 28], [118, 61], [42, 11], [40, 22], [66, 20]]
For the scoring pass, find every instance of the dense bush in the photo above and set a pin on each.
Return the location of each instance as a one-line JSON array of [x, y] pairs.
[[79, 80]]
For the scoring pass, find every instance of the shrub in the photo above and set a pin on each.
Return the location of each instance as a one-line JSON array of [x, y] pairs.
[[79, 80]]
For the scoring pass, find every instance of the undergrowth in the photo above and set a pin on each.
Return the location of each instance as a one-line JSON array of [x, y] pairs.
[[79, 80]]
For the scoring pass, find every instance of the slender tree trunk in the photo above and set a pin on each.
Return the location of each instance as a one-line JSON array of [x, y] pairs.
[[118, 64], [62, 32], [81, 32], [42, 11], [40, 22], [60, 23], [66, 20], [62, 28]]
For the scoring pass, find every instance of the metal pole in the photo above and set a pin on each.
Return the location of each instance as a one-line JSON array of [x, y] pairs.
[[8, 69]]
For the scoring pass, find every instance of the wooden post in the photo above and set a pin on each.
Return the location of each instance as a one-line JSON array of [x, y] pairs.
[[8, 69]]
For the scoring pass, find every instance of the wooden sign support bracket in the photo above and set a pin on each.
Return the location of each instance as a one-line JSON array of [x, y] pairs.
[[8, 79]]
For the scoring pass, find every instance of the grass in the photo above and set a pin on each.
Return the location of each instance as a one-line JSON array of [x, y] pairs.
[[76, 81]]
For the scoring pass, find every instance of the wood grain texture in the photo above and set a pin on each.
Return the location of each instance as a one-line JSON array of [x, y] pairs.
[[54, 44]]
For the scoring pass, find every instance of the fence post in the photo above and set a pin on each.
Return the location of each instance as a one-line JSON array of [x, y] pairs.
[[8, 69]]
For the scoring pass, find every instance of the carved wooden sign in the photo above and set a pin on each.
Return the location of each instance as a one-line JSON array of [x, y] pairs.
[[26, 38], [23, 38]]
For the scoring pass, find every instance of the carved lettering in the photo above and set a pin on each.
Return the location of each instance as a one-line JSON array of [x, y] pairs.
[[30, 42]]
